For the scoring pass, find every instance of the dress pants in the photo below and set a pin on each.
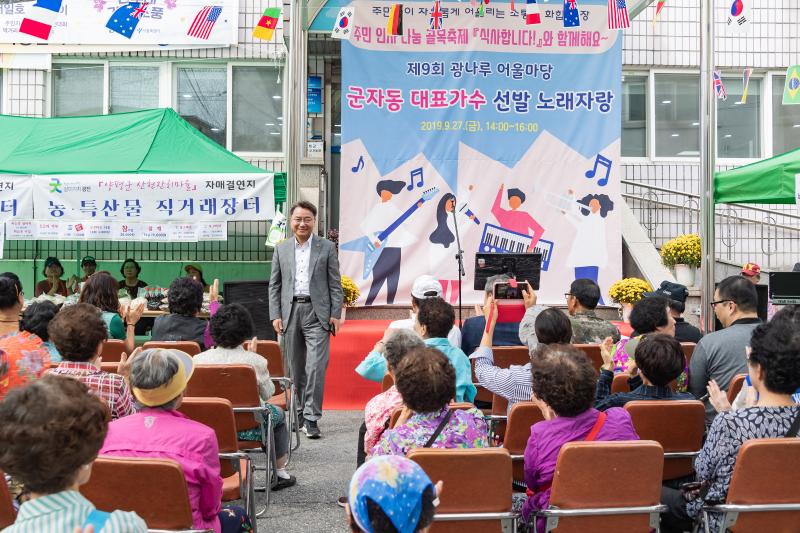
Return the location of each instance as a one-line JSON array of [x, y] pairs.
[[307, 348]]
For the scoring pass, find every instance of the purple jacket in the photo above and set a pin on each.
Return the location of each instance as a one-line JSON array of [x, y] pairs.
[[546, 440], [160, 434]]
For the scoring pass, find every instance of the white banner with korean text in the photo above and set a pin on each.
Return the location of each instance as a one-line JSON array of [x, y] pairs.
[[153, 198], [15, 196], [93, 230]]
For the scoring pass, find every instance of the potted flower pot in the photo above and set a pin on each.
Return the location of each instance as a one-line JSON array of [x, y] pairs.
[[684, 274]]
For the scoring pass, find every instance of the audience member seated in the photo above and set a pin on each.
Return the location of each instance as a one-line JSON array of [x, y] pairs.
[[649, 315], [676, 295], [23, 356], [773, 364], [35, 319], [373, 367], [195, 271], [720, 355], [158, 378], [427, 383], [185, 299], [50, 433], [79, 332], [505, 333], [379, 409], [392, 494], [231, 326], [587, 327], [527, 327], [52, 283], [564, 386], [89, 266], [514, 383], [658, 360], [434, 319], [130, 281], [100, 290]]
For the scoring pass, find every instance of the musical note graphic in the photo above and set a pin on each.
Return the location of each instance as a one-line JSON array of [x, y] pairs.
[[602, 161], [359, 165], [414, 173]]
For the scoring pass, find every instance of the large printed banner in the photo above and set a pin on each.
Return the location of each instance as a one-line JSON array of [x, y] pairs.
[[117, 230], [115, 22], [514, 127], [15, 196], [154, 197]]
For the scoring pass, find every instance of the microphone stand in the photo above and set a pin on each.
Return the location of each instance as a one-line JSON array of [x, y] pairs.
[[460, 259]]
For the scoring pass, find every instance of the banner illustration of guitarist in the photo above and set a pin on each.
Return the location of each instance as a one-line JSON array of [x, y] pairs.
[[384, 238]]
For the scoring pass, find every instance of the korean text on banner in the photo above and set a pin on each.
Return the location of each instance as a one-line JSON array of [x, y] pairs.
[[505, 131], [16, 199], [154, 197]]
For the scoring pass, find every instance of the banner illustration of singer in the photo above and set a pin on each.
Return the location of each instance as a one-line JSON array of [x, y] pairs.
[[480, 126]]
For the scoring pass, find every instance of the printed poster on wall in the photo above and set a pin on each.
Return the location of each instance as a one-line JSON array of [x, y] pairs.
[[514, 127], [154, 198], [15, 197], [108, 22]]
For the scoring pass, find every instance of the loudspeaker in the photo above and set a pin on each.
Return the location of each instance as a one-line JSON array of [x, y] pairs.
[[254, 295]]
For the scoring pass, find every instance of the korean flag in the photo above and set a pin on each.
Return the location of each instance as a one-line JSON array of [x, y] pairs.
[[344, 24]]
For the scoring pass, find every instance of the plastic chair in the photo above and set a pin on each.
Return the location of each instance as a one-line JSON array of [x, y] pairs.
[[620, 383], [110, 367], [155, 489], [688, 350], [592, 351], [505, 356], [387, 383], [735, 386], [453, 405], [628, 503], [762, 495], [523, 415], [677, 425], [190, 347], [112, 350], [236, 468], [477, 488], [271, 351], [7, 512], [238, 385]]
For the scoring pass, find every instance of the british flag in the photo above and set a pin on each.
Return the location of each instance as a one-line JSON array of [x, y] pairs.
[[719, 88], [204, 22], [437, 17]]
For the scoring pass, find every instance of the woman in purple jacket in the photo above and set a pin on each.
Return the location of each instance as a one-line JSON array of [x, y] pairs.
[[563, 385]]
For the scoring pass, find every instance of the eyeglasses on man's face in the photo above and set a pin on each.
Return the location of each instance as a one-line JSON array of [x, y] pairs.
[[717, 302]]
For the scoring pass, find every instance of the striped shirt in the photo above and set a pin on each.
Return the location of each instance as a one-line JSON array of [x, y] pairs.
[[111, 388], [63, 511], [512, 383]]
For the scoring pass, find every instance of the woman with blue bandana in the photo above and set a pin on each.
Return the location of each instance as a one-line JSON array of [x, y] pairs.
[[391, 493]]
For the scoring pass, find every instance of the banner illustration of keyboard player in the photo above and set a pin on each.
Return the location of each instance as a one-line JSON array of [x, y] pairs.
[[515, 219], [383, 238], [589, 252], [443, 247]]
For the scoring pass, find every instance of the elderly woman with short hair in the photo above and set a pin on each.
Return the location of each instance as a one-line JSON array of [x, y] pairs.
[[185, 300], [427, 383], [158, 378]]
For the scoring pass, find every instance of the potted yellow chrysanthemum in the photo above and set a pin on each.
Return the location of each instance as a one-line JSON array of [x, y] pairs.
[[350, 294], [682, 253], [627, 292]]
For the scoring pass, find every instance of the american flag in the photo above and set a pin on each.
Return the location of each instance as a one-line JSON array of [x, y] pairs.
[[618, 15], [719, 88], [204, 22], [436, 16]]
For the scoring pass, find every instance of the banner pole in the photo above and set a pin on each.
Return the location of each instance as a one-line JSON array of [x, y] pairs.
[[295, 108], [708, 152]]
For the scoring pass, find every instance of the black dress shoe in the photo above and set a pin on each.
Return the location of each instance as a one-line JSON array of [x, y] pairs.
[[284, 483], [311, 429]]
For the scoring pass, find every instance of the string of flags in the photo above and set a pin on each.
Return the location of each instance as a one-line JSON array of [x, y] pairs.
[[745, 84], [394, 26], [267, 24], [791, 93], [719, 88], [659, 7]]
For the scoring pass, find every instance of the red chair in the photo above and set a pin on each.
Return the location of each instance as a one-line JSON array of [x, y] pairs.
[[112, 350], [190, 347], [592, 351], [7, 512], [688, 350], [271, 351], [523, 415], [620, 383], [735, 386]]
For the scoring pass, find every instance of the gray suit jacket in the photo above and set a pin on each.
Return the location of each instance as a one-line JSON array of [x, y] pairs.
[[325, 284]]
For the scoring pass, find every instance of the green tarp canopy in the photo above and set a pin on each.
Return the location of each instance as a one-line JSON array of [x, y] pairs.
[[771, 181], [151, 141]]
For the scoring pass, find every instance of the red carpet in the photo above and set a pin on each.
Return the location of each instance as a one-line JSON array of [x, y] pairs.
[[344, 389]]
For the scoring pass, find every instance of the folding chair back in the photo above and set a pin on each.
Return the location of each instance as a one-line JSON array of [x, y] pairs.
[[523, 415], [387, 383], [592, 351], [112, 350], [688, 350], [735, 386], [271, 351], [235, 383], [632, 471], [766, 474], [483, 394], [7, 512], [620, 383], [190, 347], [453, 406], [505, 356], [677, 425], [111, 367], [155, 489], [476, 481]]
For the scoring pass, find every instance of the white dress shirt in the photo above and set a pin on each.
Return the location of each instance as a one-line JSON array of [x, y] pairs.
[[302, 261]]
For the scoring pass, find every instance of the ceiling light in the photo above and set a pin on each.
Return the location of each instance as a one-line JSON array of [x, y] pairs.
[[269, 124], [676, 134], [274, 133], [277, 96], [796, 126], [695, 123], [215, 129], [728, 136], [666, 101], [186, 96]]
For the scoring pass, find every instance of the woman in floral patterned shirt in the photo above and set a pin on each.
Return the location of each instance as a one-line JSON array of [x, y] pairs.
[[427, 383]]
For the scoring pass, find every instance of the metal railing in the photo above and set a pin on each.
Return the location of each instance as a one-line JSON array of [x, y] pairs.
[[768, 235]]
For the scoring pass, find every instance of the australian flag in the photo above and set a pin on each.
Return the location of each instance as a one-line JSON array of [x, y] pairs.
[[572, 18], [125, 18]]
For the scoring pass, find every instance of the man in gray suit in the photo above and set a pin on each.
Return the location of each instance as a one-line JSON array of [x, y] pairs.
[[305, 305]]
